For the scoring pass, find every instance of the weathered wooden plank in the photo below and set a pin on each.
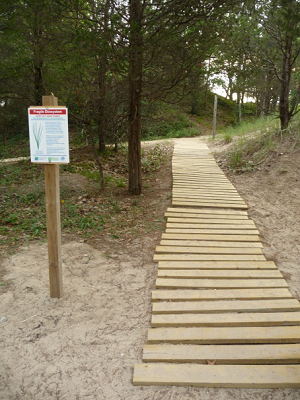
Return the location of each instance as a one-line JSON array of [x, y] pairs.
[[220, 283], [221, 265], [217, 274], [213, 231], [226, 319], [212, 204], [206, 225], [223, 354], [207, 237], [208, 201], [225, 306], [205, 211], [225, 335], [212, 221], [207, 250], [207, 216], [208, 257], [209, 243], [219, 294], [192, 194], [226, 376]]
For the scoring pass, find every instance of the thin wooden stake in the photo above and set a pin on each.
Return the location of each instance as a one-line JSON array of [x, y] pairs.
[[53, 219], [215, 116]]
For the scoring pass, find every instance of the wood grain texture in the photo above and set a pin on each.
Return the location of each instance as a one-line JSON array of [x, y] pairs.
[[220, 294], [220, 283], [223, 354], [221, 265], [225, 306], [217, 274], [238, 376], [225, 335]]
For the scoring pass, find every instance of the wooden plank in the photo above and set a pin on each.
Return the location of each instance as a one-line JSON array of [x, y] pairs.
[[223, 354], [207, 237], [213, 231], [208, 201], [193, 194], [226, 265], [208, 257], [220, 283], [182, 192], [217, 274], [224, 306], [226, 376], [207, 250], [209, 243], [205, 211], [205, 216], [206, 225], [226, 319], [212, 221], [219, 294], [225, 335], [212, 204]]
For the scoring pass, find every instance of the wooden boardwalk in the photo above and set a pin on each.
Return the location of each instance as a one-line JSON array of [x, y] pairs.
[[222, 314]]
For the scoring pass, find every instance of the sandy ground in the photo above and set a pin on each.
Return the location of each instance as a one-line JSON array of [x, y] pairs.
[[85, 345]]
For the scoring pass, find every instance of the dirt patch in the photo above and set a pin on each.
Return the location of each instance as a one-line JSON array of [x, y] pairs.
[[85, 345]]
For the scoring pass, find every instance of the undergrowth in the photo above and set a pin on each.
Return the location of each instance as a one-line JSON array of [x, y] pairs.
[[84, 210], [253, 142]]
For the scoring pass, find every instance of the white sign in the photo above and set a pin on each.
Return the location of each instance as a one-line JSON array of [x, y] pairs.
[[48, 134]]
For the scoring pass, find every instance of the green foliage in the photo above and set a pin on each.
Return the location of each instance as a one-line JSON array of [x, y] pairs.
[[162, 121], [249, 127], [153, 158], [252, 143]]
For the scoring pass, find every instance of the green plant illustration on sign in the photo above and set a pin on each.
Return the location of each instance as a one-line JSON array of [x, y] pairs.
[[37, 133]]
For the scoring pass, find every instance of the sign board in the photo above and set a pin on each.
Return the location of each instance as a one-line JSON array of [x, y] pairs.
[[48, 134]]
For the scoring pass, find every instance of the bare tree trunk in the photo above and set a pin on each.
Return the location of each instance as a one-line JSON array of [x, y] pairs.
[[135, 96], [97, 159], [285, 86], [102, 83], [101, 104], [38, 84]]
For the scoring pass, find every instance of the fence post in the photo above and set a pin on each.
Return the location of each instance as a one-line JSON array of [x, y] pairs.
[[215, 116]]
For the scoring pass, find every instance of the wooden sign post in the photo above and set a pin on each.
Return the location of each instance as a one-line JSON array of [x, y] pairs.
[[49, 145], [53, 219]]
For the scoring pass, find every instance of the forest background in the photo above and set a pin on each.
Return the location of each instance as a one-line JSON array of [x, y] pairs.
[[119, 66]]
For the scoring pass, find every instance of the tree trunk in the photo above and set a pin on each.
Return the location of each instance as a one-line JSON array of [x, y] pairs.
[[97, 159], [285, 87], [38, 84], [102, 82], [101, 105], [135, 98]]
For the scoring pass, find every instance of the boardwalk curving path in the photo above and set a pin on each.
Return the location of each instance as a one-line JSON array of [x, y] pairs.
[[222, 314]]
